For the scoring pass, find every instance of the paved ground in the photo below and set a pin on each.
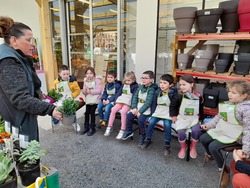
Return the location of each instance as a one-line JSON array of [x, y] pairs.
[[99, 161]]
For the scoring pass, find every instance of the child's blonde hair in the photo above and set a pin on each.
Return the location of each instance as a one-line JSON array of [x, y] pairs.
[[242, 86], [131, 75]]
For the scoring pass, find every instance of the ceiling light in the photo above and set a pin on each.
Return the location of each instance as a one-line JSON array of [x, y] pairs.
[[84, 1], [87, 17]]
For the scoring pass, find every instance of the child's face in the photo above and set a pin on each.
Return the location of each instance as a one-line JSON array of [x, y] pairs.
[[110, 79], [164, 85], [236, 97], [89, 75], [185, 86], [146, 80], [128, 80], [64, 74]]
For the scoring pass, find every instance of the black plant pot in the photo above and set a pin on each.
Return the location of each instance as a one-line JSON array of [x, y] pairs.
[[208, 19], [190, 61], [220, 65], [12, 183], [244, 46], [241, 67], [28, 176], [229, 57], [229, 17]]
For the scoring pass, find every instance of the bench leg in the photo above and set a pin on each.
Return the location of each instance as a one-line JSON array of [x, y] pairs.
[[223, 168], [188, 141]]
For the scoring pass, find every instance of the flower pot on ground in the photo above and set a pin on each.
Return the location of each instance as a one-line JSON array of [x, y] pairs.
[[29, 166], [184, 19], [210, 16], [229, 17]]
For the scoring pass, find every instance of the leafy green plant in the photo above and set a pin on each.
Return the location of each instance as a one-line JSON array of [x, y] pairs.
[[31, 154], [6, 167], [69, 107], [54, 94]]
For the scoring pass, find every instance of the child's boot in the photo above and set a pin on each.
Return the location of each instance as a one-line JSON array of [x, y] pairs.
[[183, 149], [167, 150], [91, 130], [141, 140], [193, 153], [225, 181], [146, 143], [100, 123], [104, 123], [86, 128]]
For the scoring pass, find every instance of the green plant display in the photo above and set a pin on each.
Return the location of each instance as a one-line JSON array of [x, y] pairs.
[[31, 154], [1, 124], [54, 94], [6, 167], [69, 107]]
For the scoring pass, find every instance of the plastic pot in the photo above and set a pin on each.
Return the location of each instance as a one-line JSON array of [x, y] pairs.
[[28, 176], [12, 183], [182, 60], [244, 15], [210, 16], [201, 64], [241, 67], [229, 57], [204, 54], [221, 65], [215, 49], [68, 120]]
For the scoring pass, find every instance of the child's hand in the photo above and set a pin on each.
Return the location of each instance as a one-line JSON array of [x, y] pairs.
[[241, 155], [236, 155], [174, 119], [105, 102], [204, 127], [138, 114], [134, 111]]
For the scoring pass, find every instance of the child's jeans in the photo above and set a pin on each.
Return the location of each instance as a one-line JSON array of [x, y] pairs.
[[141, 122], [195, 133], [107, 110], [56, 121], [123, 110], [167, 128]]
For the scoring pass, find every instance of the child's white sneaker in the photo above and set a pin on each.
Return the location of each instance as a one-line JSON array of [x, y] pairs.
[[120, 134], [76, 126], [108, 131]]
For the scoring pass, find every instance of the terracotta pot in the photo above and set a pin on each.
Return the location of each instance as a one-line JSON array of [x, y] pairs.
[[184, 19], [210, 16]]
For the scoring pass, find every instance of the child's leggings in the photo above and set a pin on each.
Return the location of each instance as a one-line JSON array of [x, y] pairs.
[[195, 133], [123, 110]]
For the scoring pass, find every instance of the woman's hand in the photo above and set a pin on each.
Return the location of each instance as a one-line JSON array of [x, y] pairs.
[[56, 114]]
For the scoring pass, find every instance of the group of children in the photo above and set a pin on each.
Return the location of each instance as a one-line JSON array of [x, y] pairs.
[[149, 104]]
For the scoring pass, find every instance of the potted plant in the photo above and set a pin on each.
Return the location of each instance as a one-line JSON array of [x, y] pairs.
[[53, 96], [29, 166], [8, 177], [68, 108]]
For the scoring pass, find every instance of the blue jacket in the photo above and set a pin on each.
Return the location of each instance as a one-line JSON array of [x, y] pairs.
[[174, 103], [109, 86]]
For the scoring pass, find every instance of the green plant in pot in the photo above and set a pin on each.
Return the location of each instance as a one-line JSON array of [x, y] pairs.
[[53, 96], [68, 108], [7, 173], [29, 166]]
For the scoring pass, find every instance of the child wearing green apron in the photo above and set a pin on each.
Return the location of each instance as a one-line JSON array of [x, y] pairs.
[[141, 106], [232, 124], [122, 103], [68, 86], [92, 89], [188, 118], [164, 108], [108, 97]]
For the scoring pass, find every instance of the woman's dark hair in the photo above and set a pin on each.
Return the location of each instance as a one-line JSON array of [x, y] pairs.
[[9, 28], [167, 77], [91, 69]]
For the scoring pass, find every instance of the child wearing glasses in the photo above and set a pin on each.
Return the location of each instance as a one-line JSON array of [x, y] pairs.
[[122, 103], [140, 106]]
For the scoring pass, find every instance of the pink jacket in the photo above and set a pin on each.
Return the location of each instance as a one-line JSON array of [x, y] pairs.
[[96, 91]]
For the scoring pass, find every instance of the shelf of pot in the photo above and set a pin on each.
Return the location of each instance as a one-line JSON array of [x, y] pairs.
[[212, 75], [215, 36]]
